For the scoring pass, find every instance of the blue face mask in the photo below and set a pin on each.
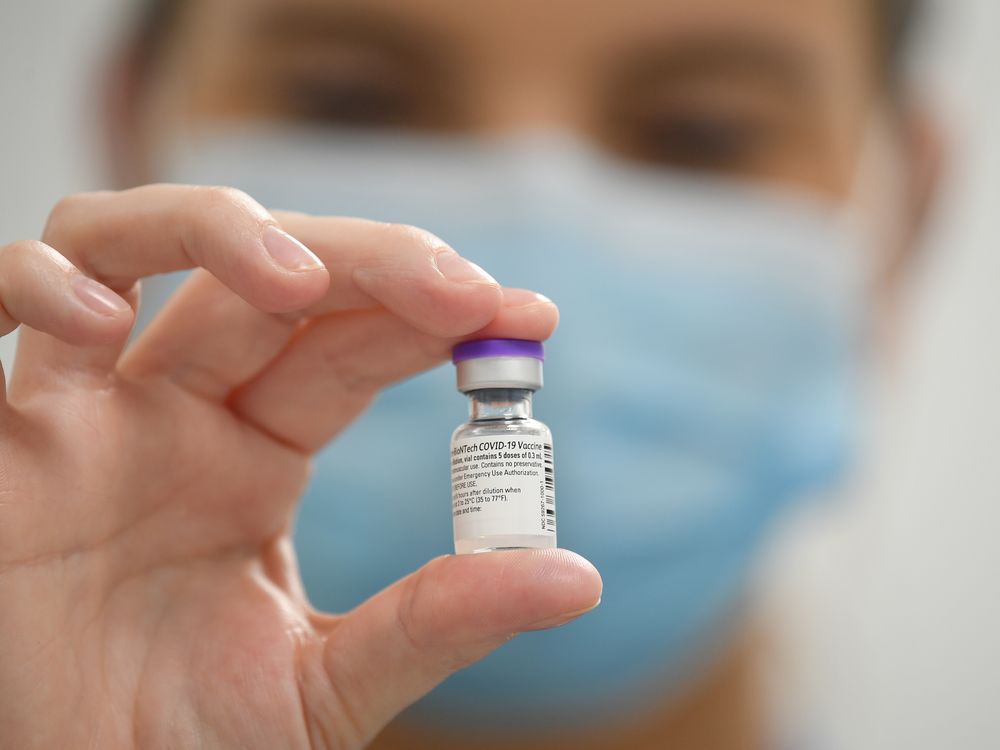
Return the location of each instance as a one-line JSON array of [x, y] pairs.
[[701, 380]]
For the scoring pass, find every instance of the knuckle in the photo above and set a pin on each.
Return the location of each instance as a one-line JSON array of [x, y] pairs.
[[64, 211], [20, 249], [212, 199], [407, 618], [15, 260], [27, 256], [418, 611], [416, 239], [210, 212], [213, 209]]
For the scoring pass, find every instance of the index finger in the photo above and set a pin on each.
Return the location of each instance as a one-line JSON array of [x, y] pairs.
[[120, 237], [403, 269]]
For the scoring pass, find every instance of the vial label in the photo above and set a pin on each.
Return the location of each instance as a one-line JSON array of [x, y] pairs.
[[501, 486]]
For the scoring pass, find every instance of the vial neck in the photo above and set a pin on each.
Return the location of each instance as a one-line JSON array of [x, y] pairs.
[[499, 403]]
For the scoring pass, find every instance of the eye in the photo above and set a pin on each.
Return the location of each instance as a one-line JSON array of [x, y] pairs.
[[694, 140], [363, 101]]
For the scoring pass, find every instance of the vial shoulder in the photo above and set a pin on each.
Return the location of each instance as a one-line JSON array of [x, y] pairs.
[[503, 427]]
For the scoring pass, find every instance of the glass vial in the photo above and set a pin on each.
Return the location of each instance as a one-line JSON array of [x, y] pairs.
[[502, 480]]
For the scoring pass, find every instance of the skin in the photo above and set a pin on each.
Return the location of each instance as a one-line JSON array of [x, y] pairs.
[[148, 590], [773, 89]]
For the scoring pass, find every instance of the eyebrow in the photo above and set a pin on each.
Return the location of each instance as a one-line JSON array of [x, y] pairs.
[[781, 64], [284, 24]]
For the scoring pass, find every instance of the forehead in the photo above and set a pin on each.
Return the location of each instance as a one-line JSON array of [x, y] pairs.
[[830, 32], [799, 70]]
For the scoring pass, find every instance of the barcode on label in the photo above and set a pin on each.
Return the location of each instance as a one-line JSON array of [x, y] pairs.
[[550, 488]]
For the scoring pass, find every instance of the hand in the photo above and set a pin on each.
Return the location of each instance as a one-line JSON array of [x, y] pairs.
[[148, 590]]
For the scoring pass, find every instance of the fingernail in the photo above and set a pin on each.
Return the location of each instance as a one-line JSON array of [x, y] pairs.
[[458, 270], [288, 252], [552, 622], [513, 298], [98, 297]]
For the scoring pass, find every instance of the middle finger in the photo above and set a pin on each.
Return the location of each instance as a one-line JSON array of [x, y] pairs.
[[211, 341]]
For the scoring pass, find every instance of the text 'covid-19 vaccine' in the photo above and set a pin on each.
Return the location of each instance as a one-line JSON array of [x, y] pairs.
[[502, 478]]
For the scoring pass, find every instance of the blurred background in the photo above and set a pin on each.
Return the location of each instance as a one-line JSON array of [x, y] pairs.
[[885, 604]]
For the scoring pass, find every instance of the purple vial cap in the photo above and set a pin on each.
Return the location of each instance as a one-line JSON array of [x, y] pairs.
[[497, 348]]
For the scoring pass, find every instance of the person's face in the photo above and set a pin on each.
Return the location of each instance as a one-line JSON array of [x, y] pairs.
[[776, 90]]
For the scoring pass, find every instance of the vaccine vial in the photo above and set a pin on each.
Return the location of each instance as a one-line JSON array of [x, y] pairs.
[[502, 480]]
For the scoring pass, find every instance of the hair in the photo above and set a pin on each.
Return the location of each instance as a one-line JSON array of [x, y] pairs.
[[894, 22]]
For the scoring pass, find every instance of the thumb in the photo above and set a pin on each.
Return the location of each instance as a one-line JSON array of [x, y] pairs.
[[391, 650]]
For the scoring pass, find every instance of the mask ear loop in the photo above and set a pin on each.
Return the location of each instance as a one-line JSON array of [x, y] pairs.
[[873, 213]]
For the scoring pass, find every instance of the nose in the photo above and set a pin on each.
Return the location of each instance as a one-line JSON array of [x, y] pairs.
[[529, 97]]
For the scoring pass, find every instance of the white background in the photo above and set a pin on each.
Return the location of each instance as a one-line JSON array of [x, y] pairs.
[[887, 605]]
